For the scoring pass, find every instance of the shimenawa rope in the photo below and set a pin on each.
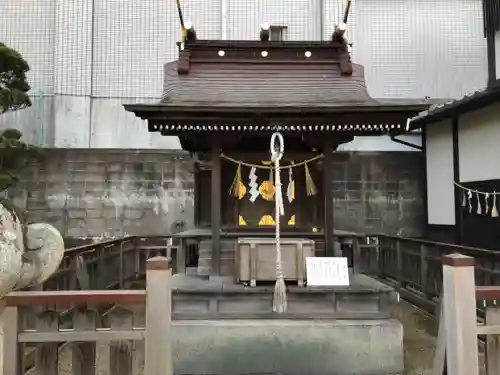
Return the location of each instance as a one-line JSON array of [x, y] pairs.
[[279, 298], [258, 166]]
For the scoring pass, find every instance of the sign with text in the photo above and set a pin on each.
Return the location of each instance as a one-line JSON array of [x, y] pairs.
[[328, 271]]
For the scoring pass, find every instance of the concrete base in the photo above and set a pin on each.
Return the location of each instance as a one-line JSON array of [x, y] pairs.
[[290, 347]]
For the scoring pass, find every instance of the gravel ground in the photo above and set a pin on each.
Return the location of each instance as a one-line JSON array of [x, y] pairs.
[[420, 340], [419, 344]]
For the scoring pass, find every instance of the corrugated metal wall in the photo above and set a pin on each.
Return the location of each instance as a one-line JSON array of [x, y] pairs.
[[88, 57]]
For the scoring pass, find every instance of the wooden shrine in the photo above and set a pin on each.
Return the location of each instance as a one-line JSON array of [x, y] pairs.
[[224, 99]]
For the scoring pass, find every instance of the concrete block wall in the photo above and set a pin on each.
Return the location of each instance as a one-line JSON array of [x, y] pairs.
[[103, 193], [110, 193], [380, 192]]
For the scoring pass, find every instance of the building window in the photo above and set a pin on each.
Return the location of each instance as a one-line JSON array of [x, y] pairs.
[[278, 33]]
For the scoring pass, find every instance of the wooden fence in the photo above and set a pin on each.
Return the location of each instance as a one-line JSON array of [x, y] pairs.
[[414, 266], [109, 264], [33, 317]]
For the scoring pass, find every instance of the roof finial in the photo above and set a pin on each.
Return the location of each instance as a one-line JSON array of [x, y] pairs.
[[340, 29], [265, 32]]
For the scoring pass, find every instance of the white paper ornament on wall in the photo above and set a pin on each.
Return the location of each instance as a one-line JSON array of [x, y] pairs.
[[478, 204]]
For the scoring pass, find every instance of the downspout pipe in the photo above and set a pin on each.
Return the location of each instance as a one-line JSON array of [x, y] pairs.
[[321, 20], [224, 6]]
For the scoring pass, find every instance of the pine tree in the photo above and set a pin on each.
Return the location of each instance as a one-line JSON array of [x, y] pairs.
[[15, 155], [14, 85]]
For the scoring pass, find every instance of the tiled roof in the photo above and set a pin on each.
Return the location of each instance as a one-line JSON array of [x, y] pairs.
[[455, 107]]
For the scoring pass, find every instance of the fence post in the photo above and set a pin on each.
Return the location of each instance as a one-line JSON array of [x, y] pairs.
[[423, 269], [83, 353], [380, 256], [399, 264], [9, 321], [357, 267], [459, 303], [158, 351], [492, 318]]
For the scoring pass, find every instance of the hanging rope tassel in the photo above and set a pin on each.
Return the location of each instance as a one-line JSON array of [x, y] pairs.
[[486, 203], [464, 201], [494, 211], [290, 189], [237, 185], [469, 199], [279, 297], [310, 186]]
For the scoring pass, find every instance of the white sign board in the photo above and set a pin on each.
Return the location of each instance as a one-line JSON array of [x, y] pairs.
[[327, 271]]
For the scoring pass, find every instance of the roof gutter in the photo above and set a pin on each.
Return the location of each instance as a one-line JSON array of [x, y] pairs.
[[408, 144], [407, 130]]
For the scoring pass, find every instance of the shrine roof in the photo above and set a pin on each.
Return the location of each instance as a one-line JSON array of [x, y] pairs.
[[275, 85], [284, 77]]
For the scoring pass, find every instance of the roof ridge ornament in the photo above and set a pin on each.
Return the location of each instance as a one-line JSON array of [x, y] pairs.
[[265, 32], [184, 62], [340, 37]]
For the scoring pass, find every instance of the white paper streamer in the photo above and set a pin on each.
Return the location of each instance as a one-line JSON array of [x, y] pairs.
[[254, 186]]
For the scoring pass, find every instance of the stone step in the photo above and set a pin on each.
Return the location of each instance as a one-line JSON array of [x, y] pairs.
[[224, 270], [208, 254], [223, 260], [222, 255], [192, 271]]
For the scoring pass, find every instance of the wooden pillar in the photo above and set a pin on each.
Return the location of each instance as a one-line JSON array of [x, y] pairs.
[[216, 207], [158, 341], [459, 304], [197, 198], [327, 193]]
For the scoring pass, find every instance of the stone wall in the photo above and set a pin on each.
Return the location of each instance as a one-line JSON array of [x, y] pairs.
[[102, 193], [111, 193], [380, 192]]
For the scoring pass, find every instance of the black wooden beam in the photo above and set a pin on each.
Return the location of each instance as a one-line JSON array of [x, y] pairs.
[[456, 178], [197, 198], [327, 192], [426, 200], [491, 58], [216, 207]]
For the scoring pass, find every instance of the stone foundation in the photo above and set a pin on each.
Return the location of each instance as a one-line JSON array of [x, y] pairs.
[[291, 347]]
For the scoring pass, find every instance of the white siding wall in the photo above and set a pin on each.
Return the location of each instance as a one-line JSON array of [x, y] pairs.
[[439, 159], [479, 145], [89, 57]]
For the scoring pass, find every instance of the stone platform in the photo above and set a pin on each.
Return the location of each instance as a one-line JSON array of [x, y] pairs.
[[221, 298], [227, 329]]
